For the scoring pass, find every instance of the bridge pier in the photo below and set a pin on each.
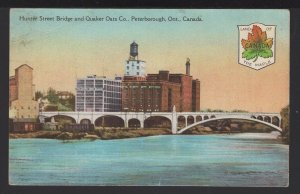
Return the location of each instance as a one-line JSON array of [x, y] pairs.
[[174, 121], [42, 119]]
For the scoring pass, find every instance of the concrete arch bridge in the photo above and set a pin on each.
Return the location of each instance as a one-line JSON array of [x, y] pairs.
[[177, 121]]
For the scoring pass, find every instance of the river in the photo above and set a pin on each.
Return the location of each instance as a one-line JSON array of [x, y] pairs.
[[248, 159]]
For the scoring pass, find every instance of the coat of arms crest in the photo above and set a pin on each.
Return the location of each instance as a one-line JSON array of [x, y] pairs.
[[256, 45]]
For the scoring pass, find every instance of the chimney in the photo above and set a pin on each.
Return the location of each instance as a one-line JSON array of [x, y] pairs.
[[163, 75], [187, 66]]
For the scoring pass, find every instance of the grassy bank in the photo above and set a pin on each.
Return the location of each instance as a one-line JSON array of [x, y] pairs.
[[235, 126], [104, 134], [129, 133]]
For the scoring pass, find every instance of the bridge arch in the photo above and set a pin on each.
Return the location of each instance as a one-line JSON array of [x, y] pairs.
[[134, 123], [85, 121], [276, 121], [198, 118], [212, 116], [205, 117], [267, 119], [260, 118], [157, 122], [109, 121], [181, 121], [228, 117], [62, 119], [190, 120]]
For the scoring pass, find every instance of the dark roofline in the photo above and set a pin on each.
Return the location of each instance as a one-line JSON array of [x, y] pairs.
[[136, 60], [170, 74], [151, 81]]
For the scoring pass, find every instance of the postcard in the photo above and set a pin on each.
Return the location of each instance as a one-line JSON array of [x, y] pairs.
[[149, 97]]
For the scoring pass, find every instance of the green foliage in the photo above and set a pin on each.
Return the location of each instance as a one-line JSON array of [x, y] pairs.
[[238, 110], [220, 110], [62, 104], [252, 53], [265, 53], [249, 54], [52, 96], [285, 116], [62, 107], [67, 104]]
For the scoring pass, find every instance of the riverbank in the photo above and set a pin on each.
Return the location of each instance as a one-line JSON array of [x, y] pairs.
[[104, 134], [122, 133]]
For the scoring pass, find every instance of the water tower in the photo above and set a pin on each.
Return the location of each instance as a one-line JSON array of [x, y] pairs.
[[134, 66], [134, 50]]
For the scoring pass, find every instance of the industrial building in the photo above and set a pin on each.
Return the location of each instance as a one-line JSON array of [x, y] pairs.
[[98, 94], [159, 92], [23, 109]]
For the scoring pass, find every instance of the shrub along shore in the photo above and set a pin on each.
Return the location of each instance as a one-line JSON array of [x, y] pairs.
[[110, 133], [121, 133], [104, 134]]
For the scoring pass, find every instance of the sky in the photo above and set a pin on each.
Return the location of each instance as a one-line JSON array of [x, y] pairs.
[[61, 51]]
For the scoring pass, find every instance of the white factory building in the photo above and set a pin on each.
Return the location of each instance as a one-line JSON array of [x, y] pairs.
[[98, 94]]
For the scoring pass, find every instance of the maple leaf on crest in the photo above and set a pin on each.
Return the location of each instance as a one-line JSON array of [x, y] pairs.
[[257, 44]]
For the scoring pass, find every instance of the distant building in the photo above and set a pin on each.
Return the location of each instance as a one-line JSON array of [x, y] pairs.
[[98, 94], [23, 109], [64, 95], [134, 66], [160, 92]]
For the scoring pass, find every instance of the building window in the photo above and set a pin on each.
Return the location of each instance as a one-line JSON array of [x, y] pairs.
[[22, 107], [137, 67], [138, 73], [127, 67], [28, 107], [28, 116], [22, 116]]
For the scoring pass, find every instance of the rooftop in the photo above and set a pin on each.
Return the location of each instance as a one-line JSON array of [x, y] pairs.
[[24, 65]]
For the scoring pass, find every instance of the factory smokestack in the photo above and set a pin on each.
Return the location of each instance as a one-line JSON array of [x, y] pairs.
[[187, 66]]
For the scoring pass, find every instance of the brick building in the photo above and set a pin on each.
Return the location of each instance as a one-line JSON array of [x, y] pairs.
[[149, 95], [160, 92]]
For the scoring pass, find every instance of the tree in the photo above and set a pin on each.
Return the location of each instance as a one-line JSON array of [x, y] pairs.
[[38, 95], [285, 120], [238, 110], [52, 96], [285, 123], [69, 103]]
